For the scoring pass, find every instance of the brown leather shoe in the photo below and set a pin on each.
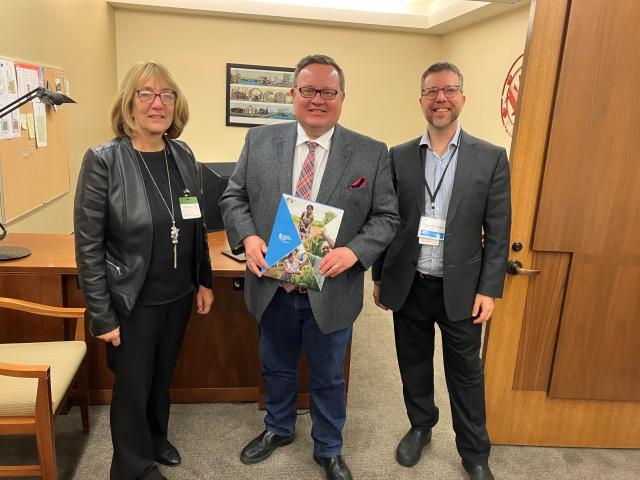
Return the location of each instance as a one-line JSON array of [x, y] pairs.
[[262, 446], [334, 467]]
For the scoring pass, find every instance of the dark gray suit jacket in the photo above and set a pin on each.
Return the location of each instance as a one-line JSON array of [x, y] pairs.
[[264, 173], [480, 202]]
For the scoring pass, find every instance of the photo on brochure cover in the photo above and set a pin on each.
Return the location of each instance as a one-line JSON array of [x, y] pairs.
[[303, 233]]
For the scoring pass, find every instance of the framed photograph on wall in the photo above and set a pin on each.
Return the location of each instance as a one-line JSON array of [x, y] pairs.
[[258, 95]]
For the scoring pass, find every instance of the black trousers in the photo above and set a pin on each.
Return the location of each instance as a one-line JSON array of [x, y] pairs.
[[414, 327], [143, 364]]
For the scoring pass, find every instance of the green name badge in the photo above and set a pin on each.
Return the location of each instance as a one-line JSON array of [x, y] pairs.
[[190, 208]]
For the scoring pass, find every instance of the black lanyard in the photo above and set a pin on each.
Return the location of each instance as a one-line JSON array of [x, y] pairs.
[[432, 196]]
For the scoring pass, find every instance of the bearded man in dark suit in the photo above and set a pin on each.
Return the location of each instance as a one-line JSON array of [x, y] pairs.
[[446, 266]]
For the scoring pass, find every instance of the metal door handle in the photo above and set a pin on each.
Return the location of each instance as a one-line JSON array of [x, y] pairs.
[[514, 267]]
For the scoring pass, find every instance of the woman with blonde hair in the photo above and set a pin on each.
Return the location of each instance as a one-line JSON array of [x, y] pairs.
[[141, 251]]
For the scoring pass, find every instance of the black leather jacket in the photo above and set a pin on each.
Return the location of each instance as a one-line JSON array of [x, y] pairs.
[[114, 232]]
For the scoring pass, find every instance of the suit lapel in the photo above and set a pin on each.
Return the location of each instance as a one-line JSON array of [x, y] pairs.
[[419, 178], [464, 166], [339, 156], [285, 147]]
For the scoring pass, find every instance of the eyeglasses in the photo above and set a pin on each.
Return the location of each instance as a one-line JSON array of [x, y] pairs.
[[310, 92], [148, 96], [450, 91]]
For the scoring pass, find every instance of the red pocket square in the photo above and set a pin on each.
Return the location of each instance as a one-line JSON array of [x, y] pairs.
[[359, 182]]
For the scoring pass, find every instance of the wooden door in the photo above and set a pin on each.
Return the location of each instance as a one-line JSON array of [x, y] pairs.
[[561, 358]]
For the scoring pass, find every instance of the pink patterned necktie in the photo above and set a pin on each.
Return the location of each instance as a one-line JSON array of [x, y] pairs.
[[303, 190], [305, 182]]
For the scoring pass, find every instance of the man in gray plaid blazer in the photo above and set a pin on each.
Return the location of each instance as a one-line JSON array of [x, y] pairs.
[[318, 159]]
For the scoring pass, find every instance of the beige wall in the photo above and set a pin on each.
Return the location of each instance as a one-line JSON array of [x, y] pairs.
[[78, 35], [382, 69], [484, 52]]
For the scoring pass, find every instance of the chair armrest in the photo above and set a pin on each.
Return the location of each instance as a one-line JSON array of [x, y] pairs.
[[24, 371], [48, 311], [40, 309]]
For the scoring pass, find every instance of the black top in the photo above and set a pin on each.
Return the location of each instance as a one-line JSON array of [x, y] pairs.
[[165, 283]]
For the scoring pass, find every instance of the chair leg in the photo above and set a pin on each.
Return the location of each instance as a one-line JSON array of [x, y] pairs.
[[83, 391], [44, 430], [47, 454], [84, 413]]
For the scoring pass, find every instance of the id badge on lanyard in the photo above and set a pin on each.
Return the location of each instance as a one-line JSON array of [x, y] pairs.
[[189, 207], [431, 230]]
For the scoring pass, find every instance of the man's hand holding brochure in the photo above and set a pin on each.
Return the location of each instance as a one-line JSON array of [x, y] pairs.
[[301, 248]]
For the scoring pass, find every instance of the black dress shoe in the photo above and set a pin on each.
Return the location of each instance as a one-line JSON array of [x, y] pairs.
[[410, 447], [262, 446], [154, 475], [478, 472], [334, 467], [167, 455]]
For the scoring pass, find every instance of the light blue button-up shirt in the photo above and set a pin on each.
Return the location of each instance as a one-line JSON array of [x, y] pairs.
[[431, 256]]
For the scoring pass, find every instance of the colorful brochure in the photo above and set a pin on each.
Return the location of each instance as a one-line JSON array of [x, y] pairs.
[[303, 233]]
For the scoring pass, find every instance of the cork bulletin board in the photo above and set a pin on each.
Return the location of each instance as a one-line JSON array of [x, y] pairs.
[[31, 177]]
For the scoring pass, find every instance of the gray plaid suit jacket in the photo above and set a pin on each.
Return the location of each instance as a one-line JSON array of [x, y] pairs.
[[263, 173]]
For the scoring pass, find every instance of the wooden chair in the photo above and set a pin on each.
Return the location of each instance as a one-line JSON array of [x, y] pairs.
[[35, 380]]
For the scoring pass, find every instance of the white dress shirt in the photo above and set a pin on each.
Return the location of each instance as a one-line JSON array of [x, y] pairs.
[[322, 154], [431, 259]]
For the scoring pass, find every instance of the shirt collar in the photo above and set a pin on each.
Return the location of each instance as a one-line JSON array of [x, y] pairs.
[[454, 139], [323, 140]]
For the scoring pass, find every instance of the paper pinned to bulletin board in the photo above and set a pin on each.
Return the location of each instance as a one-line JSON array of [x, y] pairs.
[[34, 162], [10, 124]]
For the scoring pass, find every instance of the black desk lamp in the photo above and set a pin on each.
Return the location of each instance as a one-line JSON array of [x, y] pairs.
[[50, 98], [47, 96]]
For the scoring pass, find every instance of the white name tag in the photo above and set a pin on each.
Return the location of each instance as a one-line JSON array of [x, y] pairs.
[[189, 208], [430, 231]]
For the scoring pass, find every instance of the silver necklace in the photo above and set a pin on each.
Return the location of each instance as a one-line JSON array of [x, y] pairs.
[[174, 230]]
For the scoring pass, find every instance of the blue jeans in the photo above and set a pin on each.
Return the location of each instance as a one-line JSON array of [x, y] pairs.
[[287, 327]]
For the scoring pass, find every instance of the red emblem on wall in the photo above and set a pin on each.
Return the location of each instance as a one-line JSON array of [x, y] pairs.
[[509, 97]]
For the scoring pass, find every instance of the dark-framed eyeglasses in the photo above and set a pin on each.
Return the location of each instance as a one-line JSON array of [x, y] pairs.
[[310, 92], [148, 96], [450, 91]]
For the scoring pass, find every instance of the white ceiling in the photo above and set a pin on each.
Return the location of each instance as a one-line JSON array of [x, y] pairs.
[[428, 16]]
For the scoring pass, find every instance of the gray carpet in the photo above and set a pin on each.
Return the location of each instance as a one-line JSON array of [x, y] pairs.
[[210, 436]]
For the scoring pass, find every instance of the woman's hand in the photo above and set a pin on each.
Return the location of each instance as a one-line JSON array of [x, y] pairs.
[[204, 300], [111, 337]]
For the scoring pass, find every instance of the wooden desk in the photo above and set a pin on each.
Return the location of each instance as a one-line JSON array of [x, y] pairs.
[[219, 358]]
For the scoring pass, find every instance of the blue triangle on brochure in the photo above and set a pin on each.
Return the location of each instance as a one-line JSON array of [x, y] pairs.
[[284, 236]]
